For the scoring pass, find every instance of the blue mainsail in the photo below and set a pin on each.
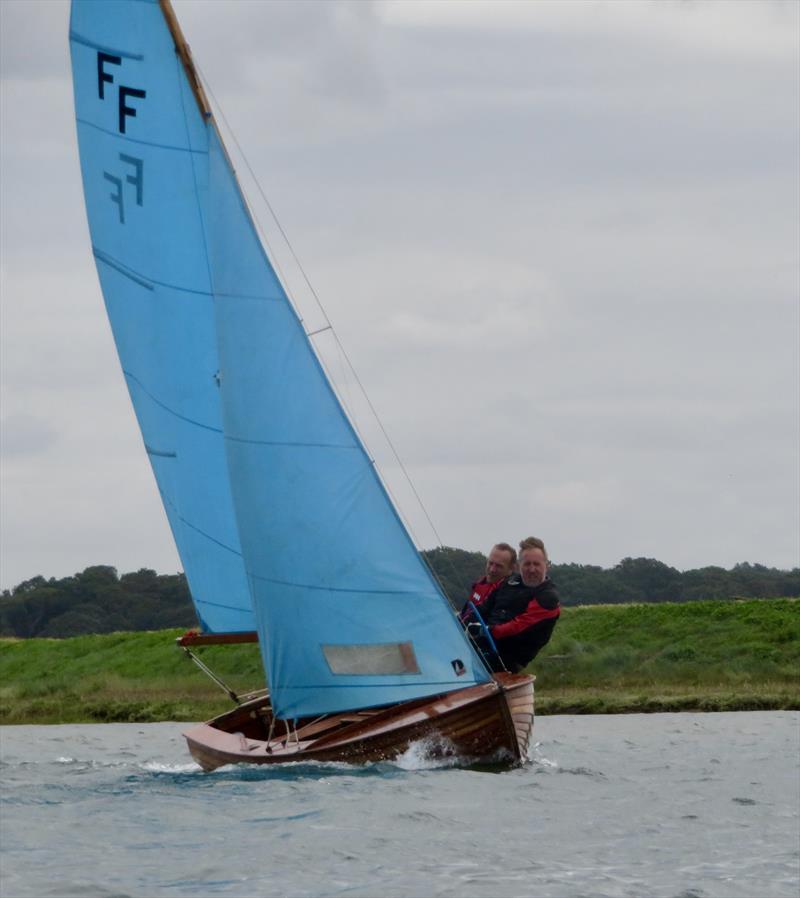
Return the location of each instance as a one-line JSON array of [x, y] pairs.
[[273, 500], [144, 161]]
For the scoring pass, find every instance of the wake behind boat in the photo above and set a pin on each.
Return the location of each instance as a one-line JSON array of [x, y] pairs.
[[281, 520]]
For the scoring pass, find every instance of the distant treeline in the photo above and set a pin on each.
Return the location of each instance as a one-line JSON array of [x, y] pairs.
[[632, 580], [98, 600]]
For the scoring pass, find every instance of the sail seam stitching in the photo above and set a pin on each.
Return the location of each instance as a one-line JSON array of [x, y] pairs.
[[260, 297], [311, 586], [146, 143], [160, 453], [166, 408], [80, 39], [147, 282], [220, 605], [141, 278], [289, 443], [122, 269], [191, 526], [208, 536]]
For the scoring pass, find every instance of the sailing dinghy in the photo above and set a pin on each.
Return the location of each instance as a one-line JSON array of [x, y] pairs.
[[283, 525]]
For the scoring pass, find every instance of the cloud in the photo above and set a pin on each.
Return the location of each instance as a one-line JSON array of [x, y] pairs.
[[558, 241], [25, 435], [43, 54], [748, 28]]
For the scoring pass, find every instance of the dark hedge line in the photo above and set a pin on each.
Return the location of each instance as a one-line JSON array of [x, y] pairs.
[[632, 580], [99, 600]]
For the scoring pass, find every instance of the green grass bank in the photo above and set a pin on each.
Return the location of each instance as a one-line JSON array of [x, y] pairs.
[[698, 656]]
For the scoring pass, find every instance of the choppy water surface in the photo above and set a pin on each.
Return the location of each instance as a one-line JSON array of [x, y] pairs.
[[690, 805]]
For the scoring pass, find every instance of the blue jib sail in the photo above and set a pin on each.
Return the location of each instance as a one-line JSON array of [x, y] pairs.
[[244, 430]]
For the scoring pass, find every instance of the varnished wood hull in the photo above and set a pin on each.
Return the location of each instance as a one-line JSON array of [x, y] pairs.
[[491, 722]]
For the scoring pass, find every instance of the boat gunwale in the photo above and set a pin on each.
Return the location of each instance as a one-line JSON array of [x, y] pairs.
[[354, 742]]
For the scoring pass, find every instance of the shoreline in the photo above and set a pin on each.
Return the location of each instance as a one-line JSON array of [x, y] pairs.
[[712, 655], [606, 702]]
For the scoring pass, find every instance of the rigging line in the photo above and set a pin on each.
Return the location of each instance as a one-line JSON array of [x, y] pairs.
[[322, 310], [345, 379], [210, 673], [330, 326], [342, 353], [428, 564], [388, 439], [273, 258], [266, 202]]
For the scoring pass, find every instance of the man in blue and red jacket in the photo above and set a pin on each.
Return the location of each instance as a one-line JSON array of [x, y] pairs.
[[500, 563], [522, 612]]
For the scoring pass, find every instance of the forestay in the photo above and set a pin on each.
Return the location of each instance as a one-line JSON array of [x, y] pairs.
[[348, 614]]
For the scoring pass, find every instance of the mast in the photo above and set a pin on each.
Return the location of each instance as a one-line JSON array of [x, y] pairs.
[[185, 53]]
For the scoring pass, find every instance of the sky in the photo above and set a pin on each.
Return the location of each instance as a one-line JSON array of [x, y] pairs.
[[558, 241]]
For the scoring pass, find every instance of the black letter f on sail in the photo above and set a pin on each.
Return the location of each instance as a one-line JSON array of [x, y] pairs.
[[124, 93], [103, 77]]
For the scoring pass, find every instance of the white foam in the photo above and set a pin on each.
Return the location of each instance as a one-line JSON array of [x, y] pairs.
[[536, 757], [430, 753], [156, 767]]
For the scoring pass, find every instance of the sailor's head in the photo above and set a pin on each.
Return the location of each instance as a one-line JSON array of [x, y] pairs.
[[500, 562], [533, 561]]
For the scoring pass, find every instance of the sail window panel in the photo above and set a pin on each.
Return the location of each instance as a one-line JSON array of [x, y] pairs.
[[383, 659], [328, 559], [137, 35], [296, 618]]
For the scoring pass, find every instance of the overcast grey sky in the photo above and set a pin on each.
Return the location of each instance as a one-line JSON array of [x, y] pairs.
[[559, 242]]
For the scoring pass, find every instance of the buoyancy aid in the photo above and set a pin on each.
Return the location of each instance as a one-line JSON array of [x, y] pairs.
[[481, 590], [516, 607]]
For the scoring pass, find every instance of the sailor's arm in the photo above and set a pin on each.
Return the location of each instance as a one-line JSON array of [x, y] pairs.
[[536, 612]]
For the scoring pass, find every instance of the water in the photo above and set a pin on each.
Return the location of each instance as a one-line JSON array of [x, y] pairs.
[[689, 805]]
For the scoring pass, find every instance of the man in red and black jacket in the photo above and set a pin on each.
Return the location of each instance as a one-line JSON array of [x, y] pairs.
[[522, 613], [500, 564]]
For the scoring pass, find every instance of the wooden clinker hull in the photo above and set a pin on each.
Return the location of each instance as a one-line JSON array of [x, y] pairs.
[[492, 722]]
